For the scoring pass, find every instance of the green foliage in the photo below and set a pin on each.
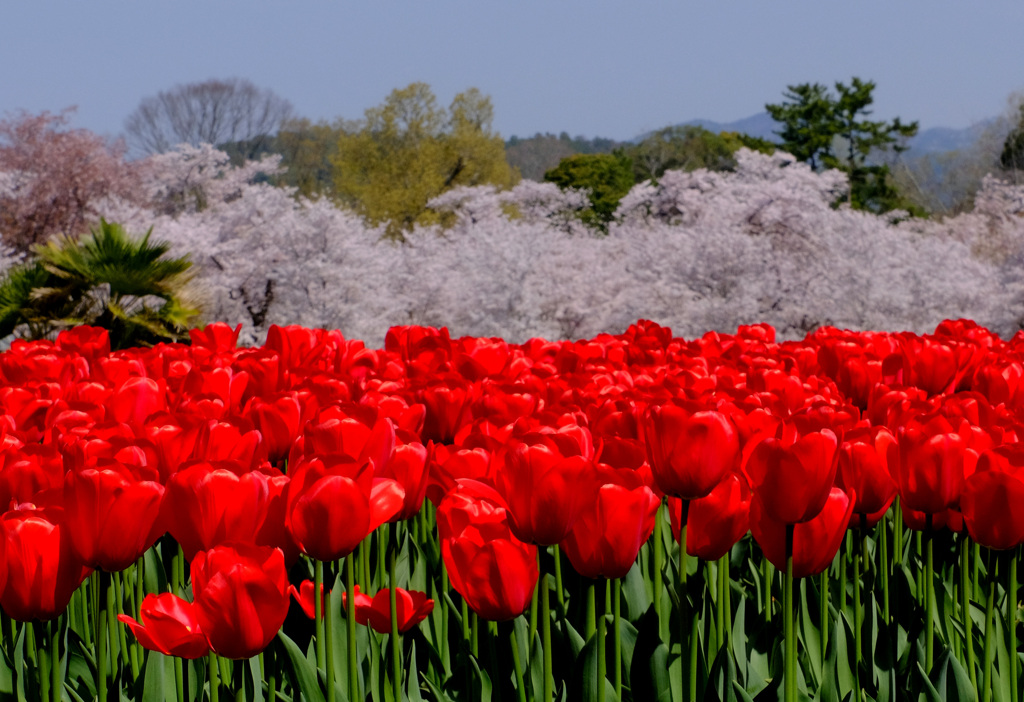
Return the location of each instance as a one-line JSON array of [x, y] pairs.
[[688, 148], [1012, 156], [106, 279], [408, 151], [831, 131], [606, 177]]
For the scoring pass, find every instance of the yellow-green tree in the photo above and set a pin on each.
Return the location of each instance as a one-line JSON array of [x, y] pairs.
[[409, 150]]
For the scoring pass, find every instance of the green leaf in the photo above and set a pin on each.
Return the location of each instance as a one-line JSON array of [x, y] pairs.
[[303, 674], [157, 685], [412, 688]]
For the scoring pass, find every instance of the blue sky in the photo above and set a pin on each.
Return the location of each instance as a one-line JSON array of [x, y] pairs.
[[596, 68]]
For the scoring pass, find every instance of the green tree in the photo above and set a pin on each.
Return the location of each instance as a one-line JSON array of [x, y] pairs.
[[832, 131], [1011, 159], [409, 150], [687, 147], [105, 279], [606, 177]]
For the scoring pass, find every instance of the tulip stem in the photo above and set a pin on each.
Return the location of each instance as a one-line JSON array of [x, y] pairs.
[[558, 579], [329, 641], [929, 574], [966, 596], [396, 648], [545, 613], [353, 670], [518, 665], [857, 642], [689, 671], [269, 658], [126, 658], [766, 580], [56, 678], [1011, 620], [179, 678], [728, 599], [43, 671], [591, 610], [989, 626], [616, 620], [883, 543], [214, 667], [659, 565], [318, 613], [788, 628], [823, 614], [533, 614], [238, 673], [101, 638], [720, 603], [602, 672]]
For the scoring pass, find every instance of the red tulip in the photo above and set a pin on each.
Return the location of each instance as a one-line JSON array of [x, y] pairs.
[[993, 496], [206, 505], [931, 467], [689, 452], [240, 595], [111, 515], [304, 596], [715, 522], [413, 608], [332, 504], [793, 474], [815, 542], [42, 572], [864, 468], [606, 538], [543, 488], [493, 570], [169, 626]]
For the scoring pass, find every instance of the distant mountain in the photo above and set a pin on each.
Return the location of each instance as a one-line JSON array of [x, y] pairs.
[[927, 141]]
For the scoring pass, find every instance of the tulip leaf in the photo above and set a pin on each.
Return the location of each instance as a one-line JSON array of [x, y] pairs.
[[156, 685], [931, 694], [585, 675], [721, 684], [635, 594], [843, 639], [19, 664], [303, 674], [739, 639], [413, 685], [7, 673], [810, 633]]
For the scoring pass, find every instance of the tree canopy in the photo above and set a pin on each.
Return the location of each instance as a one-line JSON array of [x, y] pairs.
[[409, 150], [832, 131], [605, 177]]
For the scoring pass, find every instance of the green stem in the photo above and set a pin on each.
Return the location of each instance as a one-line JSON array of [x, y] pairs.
[[659, 565], [720, 603], [56, 674], [1011, 621], [533, 611], [929, 574], [350, 610], [823, 614], [318, 614], [728, 600], [43, 669], [591, 610], [884, 565], [602, 673], [474, 639], [842, 576], [238, 671], [788, 628], [329, 619], [270, 659], [989, 636], [858, 554], [214, 667], [179, 678], [966, 595], [518, 665], [558, 579], [616, 621], [101, 640], [766, 579], [396, 646], [689, 681], [545, 613]]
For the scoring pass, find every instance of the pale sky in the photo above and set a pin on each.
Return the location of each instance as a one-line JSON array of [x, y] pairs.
[[594, 67]]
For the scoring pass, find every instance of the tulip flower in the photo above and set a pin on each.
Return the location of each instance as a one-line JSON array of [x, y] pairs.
[[792, 474], [332, 504], [606, 538], [304, 596], [240, 594], [815, 542], [42, 572], [169, 626], [493, 570], [992, 498], [413, 608], [933, 457], [864, 468], [112, 516], [689, 452], [715, 522], [544, 489]]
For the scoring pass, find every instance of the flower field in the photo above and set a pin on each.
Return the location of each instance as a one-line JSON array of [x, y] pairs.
[[628, 517]]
